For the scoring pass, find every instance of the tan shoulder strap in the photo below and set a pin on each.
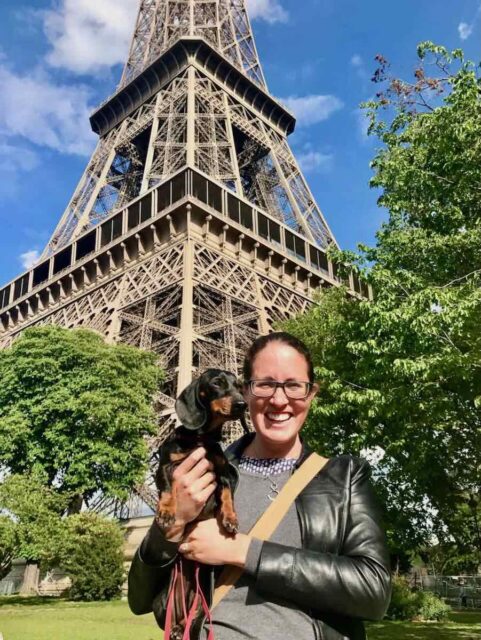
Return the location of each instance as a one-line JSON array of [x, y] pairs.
[[271, 518]]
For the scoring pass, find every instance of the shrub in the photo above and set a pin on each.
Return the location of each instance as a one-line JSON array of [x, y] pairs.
[[92, 557], [431, 607], [407, 604], [403, 601]]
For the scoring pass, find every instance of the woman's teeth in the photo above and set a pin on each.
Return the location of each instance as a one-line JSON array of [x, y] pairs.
[[278, 417]]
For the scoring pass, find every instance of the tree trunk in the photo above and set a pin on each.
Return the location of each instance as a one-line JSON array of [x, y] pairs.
[[75, 505], [31, 579], [5, 567]]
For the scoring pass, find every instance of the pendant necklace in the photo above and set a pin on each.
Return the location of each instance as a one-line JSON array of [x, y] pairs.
[[274, 492], [268, 468]]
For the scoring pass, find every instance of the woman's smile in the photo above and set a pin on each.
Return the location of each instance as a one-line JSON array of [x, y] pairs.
[[278, 417]]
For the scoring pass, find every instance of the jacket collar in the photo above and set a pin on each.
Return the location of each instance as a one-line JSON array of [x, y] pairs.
[[235, 450]]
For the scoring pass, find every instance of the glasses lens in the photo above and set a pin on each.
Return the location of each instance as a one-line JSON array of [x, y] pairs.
[[266, 388], [263, 388], [296, 390]]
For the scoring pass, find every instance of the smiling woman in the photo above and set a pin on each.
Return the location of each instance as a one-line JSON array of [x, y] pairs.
[[326, 566]]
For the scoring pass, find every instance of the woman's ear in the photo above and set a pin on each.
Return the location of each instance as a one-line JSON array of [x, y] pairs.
[[315, 390]]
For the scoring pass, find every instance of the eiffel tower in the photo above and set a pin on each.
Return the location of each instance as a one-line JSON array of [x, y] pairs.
[[192, 230]]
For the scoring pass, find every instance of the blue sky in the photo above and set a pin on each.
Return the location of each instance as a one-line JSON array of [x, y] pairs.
[[60, 58]]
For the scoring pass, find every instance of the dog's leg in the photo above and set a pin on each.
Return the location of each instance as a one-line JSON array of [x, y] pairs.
[[227, 511], [166, 509], [228, 515], [167, 505]]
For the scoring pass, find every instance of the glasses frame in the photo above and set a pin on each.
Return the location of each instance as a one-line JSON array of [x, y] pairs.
[[281, 385]]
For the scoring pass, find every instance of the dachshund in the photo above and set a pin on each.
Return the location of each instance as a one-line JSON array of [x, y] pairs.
[[202, 408]]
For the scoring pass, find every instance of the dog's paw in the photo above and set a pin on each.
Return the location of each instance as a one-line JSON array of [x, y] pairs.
[[230, 524], [165, 519]]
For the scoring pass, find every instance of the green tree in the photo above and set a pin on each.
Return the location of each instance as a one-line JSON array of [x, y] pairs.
[[75, 410], [8, 545], [92, 556], [31, 525], [402, 372]]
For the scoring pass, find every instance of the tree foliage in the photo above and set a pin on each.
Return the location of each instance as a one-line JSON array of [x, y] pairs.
[[8, 545], [31, 525], [402, 372], [75, 409], [92, 556]]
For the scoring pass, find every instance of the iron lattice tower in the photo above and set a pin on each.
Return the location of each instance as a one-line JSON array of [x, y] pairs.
[[192, 229]]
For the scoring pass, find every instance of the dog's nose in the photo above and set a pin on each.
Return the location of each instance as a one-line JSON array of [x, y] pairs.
[[239, 406]]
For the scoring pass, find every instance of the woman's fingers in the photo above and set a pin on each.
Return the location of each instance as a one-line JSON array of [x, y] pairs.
[[189, 463], [195, 483], [200, 493], [200, 484], [193, 467], [206, 493]]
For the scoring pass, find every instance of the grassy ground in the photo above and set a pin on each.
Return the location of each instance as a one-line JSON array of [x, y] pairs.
[[51, 619], [463, 626]]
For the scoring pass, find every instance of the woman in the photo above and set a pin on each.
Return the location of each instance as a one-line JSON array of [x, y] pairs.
[[325, 568]]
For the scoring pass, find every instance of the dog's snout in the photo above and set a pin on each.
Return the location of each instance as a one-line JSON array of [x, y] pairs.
[[239, 406]]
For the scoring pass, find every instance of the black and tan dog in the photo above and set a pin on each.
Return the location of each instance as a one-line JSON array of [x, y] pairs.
[[203, 408]]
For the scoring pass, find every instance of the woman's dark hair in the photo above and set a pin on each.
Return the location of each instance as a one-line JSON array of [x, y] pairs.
[[282, 337]]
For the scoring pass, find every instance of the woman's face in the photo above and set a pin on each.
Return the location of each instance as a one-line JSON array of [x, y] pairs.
[[278, 420]]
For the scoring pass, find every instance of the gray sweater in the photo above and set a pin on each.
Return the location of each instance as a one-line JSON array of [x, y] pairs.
[[243, 614]]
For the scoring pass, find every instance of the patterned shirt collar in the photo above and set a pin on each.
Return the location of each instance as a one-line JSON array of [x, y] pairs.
[[267, 466]]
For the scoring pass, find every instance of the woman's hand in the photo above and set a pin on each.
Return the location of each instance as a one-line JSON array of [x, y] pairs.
[[208, 543], [195, 483]]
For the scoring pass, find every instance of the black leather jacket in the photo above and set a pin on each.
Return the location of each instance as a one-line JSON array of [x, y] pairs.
[[340, 576]]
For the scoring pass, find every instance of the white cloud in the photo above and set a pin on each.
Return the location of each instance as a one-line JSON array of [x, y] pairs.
[[356, 60], [465, 30], [47, 114], [312, 109], [88, 35], [29, 258], [269, 10], [15, 160], [363, 122], [357, 63], [312, 161]]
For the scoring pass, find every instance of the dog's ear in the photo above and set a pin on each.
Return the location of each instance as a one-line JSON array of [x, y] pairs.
[[189, 409]]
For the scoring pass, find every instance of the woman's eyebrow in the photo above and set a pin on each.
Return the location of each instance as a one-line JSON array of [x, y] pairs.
[[271, 379]]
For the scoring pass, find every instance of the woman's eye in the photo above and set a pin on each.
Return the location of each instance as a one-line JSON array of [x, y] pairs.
[[293, 385]]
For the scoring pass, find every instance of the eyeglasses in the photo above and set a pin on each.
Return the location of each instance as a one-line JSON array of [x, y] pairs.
[[293, 389]]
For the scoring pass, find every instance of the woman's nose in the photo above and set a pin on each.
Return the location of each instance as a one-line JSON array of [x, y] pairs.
[[279, 396]]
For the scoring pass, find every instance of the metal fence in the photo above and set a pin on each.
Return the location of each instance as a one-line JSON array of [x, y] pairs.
[[458, 591]]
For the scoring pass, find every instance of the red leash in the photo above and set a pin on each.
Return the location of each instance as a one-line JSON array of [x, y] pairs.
[[190, 616]]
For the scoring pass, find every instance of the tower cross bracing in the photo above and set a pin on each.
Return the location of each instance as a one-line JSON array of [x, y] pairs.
[[192, 230]]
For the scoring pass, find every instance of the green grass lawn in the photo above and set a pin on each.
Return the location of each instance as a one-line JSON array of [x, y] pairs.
[[51, 619], [462, 626]]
